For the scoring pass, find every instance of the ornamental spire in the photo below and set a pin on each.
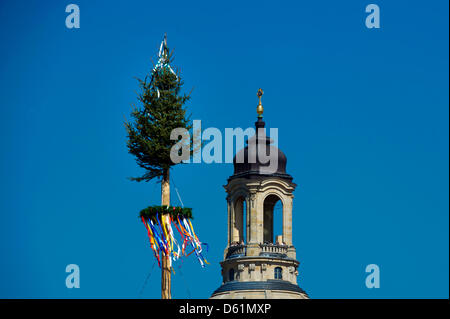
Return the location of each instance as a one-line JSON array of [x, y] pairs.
[[259, 108]]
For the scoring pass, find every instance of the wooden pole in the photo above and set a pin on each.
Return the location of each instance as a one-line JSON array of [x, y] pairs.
[[165, 264]]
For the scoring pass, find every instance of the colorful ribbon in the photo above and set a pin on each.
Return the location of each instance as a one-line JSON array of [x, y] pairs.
[[163, 241]]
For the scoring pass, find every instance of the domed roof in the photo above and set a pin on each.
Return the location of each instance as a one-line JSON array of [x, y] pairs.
[[248, 162]]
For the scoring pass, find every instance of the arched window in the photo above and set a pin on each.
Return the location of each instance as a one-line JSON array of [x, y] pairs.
[[231, 274], [278, 273], [273, 209]]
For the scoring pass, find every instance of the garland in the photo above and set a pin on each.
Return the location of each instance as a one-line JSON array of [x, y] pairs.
[[152, 211], [161, 234]]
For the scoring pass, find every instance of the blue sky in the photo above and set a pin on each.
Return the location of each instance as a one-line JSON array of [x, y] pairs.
[[362, 116]]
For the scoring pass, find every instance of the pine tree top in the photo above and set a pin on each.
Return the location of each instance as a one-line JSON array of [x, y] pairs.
[[160, 110]]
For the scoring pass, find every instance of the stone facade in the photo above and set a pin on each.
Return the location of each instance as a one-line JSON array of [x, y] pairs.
[[259, 266]]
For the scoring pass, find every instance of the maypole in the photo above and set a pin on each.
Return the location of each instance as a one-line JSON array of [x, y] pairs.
[[165, 265], [149, 140]]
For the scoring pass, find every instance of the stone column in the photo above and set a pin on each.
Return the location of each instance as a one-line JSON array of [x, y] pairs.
[[287, 221], [256, 220], [233, 225], [251, 212], [259, 218], [229, 235]]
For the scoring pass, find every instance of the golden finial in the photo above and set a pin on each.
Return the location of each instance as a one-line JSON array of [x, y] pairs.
[[260, 108]]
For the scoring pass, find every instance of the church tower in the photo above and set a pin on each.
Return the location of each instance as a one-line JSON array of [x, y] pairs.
[[258, 263]]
